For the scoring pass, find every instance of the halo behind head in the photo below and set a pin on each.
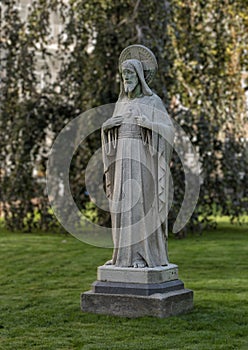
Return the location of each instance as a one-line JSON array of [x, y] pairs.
[[145, 56]]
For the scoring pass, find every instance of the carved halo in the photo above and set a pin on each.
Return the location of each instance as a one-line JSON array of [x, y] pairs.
[[145, 56]]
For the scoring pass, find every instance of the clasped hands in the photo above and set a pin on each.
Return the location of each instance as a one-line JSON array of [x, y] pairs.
[[118, 120]]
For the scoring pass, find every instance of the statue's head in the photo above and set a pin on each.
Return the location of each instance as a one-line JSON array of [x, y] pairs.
[[129, 76], [132, 74]]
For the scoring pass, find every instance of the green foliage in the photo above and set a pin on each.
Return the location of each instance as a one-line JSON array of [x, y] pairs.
[[43, 275], [200, 47]]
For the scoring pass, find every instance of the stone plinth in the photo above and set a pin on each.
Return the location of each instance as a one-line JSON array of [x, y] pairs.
[[136, 292], [137, 275], [136, 288], [157, 305]]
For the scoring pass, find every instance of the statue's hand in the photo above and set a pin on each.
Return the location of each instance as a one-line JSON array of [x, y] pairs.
[[111, 123], [143, 121]]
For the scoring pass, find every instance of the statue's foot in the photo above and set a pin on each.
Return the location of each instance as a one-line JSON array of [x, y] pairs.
[[109, 262], [139, 264]]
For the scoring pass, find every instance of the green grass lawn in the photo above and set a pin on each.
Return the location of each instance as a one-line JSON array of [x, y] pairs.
[[42, 277]]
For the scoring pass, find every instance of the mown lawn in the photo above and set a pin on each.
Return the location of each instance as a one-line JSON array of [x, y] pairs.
[[42, 277]]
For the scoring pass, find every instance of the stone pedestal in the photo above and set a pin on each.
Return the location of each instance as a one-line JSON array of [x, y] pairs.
[[136, 292]]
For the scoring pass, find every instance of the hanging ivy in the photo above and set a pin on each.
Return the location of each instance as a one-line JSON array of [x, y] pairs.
[[201, 50]]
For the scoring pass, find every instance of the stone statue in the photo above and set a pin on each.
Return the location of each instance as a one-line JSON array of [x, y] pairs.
[[137, 142]]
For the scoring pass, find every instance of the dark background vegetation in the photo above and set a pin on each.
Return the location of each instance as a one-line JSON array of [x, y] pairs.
[[201, 47]]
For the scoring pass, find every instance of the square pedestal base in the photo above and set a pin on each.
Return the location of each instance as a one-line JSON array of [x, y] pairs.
[[136, 292], [158, 305]]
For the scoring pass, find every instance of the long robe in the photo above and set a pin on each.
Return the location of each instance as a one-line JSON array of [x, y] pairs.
[[136, 160]]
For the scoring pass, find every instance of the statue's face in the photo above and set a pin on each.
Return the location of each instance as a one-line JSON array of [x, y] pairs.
[[129, 77]]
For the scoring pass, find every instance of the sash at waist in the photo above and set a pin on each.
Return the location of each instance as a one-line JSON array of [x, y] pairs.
[[129, 131], [129, 135]]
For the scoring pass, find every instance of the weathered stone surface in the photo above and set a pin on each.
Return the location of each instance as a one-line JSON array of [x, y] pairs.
[[145, 275], [136, 288], [157, 305]]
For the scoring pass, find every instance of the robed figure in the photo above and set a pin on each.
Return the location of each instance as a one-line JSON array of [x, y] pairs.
[[137, 142]]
